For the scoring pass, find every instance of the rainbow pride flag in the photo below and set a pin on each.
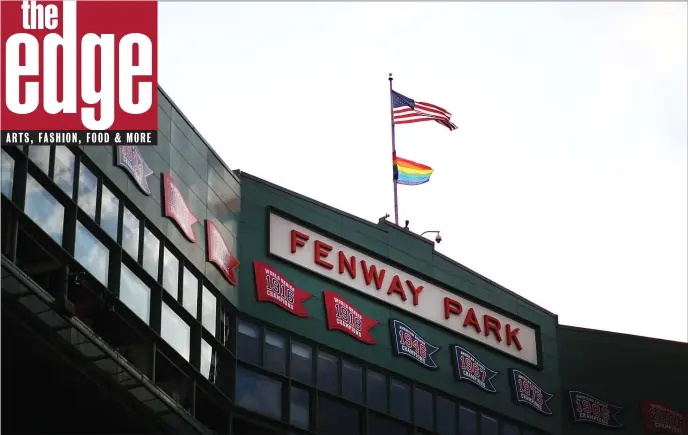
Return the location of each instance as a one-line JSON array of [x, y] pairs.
[[410, 173]]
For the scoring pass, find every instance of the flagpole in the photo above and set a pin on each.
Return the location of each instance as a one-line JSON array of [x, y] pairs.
[[394, 151]]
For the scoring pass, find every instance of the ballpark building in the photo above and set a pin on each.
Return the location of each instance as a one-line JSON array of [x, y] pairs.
[[156, 290]]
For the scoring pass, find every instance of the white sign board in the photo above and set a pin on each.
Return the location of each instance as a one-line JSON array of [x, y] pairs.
[[324, 256]]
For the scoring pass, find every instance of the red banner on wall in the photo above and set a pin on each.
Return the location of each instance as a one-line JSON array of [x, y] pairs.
[[271, 286], [343, 317], [176, 207], [659, 418], [219, 254]]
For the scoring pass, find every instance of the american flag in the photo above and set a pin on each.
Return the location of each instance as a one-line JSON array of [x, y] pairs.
[[407, 111]]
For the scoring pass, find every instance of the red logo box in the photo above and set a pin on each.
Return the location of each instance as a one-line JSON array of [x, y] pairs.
[[80, 72]]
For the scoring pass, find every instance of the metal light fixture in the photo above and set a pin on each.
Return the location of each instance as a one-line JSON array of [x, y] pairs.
[[438, 238]]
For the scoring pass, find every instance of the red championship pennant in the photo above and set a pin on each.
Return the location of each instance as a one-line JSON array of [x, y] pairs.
[[177, 209], [343, 317], [219, 254], [271, 286], [659, 418]]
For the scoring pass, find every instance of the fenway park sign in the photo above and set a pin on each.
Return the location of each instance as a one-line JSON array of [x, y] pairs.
[[345, 265]]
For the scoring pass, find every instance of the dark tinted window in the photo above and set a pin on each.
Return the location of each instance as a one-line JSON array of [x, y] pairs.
[[376, 391], [209, 311], [468, 422], [299, 408], [109, 212], [328, 372], [88, 190], [275, 351], [41, 157], [151, 253], [258, 393], [64, 169], [170, 273], [92, 254], [446, 416], [400, 400], [423, 409], [130, 234], [301, 362], [488, 426], [175, 331], [43, 208], [378, 425], [352, 381], [134, 293], [207, 360], [190, 292], [248, 342], [510, 429], [337, 418], [7, 173]]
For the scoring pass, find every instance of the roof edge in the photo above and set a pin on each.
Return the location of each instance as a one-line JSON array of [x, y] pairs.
[[195, 130], [240, 173], [612, 333]]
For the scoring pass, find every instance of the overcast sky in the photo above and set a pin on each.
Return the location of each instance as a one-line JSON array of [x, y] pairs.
[[566, 181]]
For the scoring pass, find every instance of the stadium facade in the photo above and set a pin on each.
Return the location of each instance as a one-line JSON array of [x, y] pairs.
[[155, 290]]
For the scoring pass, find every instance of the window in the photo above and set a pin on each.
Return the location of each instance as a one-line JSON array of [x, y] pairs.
[[64, 169], [488, 425], [151, 253], [43, 209], [376, 391], [301, 362], [134, 293], [130, 234], [400, 400], [446, 416], [510, 429], [225, 326], [170, 273], [299, 408], [337, 418], [275, 352], [328, 372], [7, 174], [209, 311], [175, 331], [423, 408], [88, 190], [352, 381], [190, 293], [248, 342], [92, 254], [468, 422], [109, 212], [40, 156], [258, 393], [382, 425], [207, 356]]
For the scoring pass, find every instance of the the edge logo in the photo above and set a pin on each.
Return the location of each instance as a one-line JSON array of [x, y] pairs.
[[79, 65]]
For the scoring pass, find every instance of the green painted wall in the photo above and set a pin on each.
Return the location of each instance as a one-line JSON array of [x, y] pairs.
[[392, 244], [621, 370]]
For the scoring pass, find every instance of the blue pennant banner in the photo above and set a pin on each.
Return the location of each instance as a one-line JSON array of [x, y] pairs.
[[468, 367], [589, 409], [528, 392], [408, 343]]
